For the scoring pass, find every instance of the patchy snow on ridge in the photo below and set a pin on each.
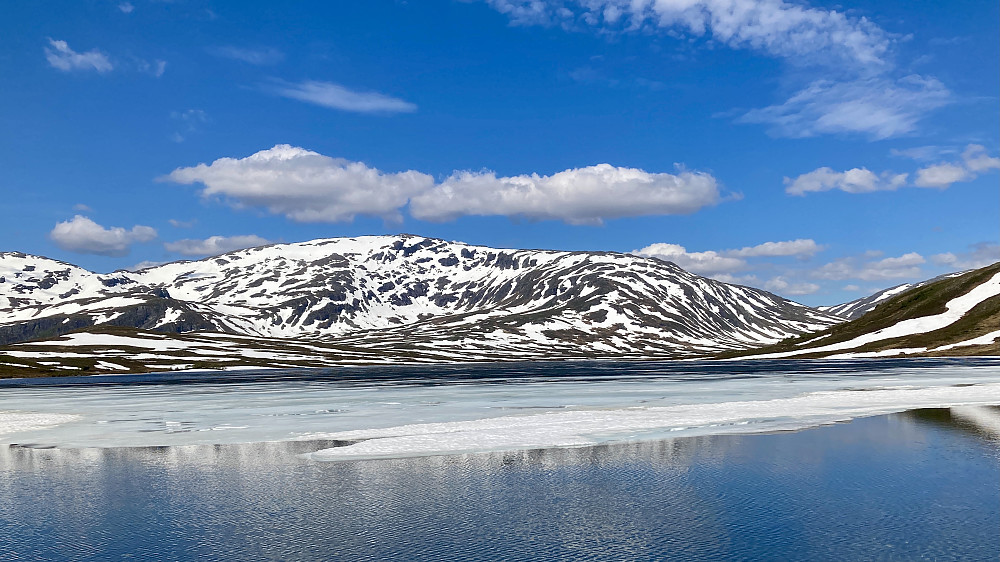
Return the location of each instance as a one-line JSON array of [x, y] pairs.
[[414, 296]]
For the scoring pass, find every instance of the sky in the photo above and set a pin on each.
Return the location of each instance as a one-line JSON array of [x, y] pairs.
[[818, 150]]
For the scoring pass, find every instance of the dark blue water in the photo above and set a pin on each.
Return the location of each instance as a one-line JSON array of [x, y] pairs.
[[916, 486]]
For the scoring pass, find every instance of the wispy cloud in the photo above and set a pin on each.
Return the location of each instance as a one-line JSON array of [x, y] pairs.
[[844, 64], [335, 96], [782, 285], [880, 108], [259, 57], [906, 266], [779, 28], [61, 56], [978, 255], [82, 235], [214, 245], [126, 7], [188, 121]]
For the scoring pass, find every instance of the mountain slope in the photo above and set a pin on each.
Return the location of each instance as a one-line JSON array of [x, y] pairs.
[[410, 296], [859, 307], [953, 315]]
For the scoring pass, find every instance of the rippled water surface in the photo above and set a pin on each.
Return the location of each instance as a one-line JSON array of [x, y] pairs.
[[913, 486], [546, 462]]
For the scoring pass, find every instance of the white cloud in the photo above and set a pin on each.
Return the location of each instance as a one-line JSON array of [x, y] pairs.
[[82, 235], [61, 56], [577, 196], [855, 180], [749, 280], [942, 175], [852, 288], [259, 57], [215, 245], [703, 263], [182, 224], [904, 266], [979, 255], [126, 7], [781, 285], [145, 264], [778, 28], [801, 247], [975, 161], [335, 96], [82, 208], [721, 265], [305, 186], [309, 187], [877, 107]]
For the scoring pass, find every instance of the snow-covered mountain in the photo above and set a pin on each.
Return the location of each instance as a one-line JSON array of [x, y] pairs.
[[409, 294]]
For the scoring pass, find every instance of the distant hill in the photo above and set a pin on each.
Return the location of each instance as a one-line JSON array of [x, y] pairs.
[[859, 307], [948, 316]]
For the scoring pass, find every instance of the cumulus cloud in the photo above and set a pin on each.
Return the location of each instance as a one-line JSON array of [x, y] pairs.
[[308, 187], [126, 7], [979, 255], [975, 161], [259, 57], [335, 96], [855, 180], [781, 285], [578, 196], [775, 27], [305, 186], [215, 245], [722, 264], [82, 235], [878, 107], [709, 263], [803, 247], [62, 57], [904, 266]]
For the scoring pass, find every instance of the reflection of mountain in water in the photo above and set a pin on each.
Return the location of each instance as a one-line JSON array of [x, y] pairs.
[[840, 492], [981, 421]]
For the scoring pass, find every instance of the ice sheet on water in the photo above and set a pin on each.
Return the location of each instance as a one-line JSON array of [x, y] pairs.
[[419, 411]]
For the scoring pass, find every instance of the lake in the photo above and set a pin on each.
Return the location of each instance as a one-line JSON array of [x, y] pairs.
[[560, 461]]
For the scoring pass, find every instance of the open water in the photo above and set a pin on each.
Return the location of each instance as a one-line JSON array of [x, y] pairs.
[[113, 480]]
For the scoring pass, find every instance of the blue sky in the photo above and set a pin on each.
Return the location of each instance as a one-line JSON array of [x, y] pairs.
[[819, 150]]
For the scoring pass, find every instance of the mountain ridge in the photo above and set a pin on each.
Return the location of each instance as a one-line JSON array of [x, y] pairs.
[[407, 293]]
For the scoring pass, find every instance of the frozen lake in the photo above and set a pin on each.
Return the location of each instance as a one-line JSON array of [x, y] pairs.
[[380, 412]]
